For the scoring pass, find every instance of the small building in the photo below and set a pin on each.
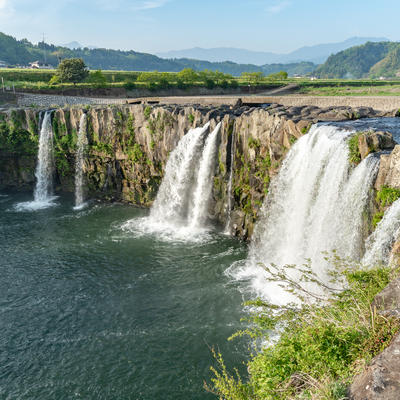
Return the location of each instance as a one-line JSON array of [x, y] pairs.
[[40, 65], [3, 64]]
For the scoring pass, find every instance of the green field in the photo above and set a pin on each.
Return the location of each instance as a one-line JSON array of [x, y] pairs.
[[39, 80]]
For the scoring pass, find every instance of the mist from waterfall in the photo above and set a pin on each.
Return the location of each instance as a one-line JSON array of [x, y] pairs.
[[79, 163], [43, 192], [315, 205]]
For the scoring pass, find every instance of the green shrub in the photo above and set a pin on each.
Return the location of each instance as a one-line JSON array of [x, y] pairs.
[[147, 112], [72, 70], [387, 196], [377, 218], [320, 344], [354, 151]]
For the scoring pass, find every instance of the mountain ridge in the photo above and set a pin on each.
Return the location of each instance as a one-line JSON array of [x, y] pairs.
[[317, 54]]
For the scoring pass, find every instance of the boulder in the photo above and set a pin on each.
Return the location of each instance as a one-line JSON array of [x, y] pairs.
[[381, 380], [371, 141]]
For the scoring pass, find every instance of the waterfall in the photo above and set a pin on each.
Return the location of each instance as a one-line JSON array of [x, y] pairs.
[[79, 162], [315, 204], [229, 193], [45, 167], [198, 211], [180, 210], [43, 193], [380, 243], [171, 204]]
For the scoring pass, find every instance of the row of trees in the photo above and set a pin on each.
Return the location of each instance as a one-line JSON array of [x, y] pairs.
[[74, 70]]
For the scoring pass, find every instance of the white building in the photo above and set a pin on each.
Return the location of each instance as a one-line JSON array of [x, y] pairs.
[[40, 65], [3, 64]]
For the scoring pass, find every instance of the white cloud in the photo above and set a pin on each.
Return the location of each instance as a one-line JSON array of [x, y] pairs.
[[6, 10], [278, 6], [134, 5], [149, 4]]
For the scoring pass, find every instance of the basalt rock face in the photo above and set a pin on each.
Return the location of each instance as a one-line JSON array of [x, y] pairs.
[[129, 146], [381, 380]]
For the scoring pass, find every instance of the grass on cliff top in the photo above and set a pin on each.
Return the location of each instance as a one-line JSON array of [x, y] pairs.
[[322, 344]]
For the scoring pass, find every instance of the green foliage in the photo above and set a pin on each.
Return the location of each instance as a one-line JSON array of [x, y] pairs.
[[253, 143], [387, 196], [354, 151], [321, 343], [281, 75], [97, 78], [147, 112], [377, 218], [253, 77], [191, 118], [14, 138], [306, 129], [73, 70], [136, 153], [356, 62]]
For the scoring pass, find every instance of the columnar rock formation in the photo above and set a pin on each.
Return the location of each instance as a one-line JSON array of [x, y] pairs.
[[129, 145]]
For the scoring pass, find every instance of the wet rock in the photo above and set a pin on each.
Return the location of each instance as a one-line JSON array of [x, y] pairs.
[[389, 171], [370, 142]]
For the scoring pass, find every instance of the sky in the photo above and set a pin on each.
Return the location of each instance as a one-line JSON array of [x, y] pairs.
[[152, 26]]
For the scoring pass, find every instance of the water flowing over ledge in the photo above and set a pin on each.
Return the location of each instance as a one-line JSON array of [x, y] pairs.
[[315, 205]]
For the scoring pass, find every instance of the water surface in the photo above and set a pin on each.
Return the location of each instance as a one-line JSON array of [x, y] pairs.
[[90, 311]]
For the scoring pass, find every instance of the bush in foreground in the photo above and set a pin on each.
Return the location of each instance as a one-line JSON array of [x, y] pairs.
[[322, 343]]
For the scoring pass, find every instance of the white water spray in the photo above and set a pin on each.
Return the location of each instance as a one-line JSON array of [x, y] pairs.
[[229, 193], [315, 204], [198, 212], [79, 162], [45, 167], [43, 193], [379, 244], [171, 204]]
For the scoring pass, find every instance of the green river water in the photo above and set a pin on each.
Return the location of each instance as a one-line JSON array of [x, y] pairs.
[[90, 311]]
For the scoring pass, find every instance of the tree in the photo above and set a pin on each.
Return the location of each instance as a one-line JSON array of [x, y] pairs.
[[72, 70], [281, 75]]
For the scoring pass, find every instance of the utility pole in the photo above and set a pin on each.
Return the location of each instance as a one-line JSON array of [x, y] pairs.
[[45, 51]]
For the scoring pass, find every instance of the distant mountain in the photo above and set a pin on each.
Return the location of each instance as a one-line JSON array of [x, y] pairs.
[[77, 45], [368, 60], [316, 54], [22, 52], [221, 54]]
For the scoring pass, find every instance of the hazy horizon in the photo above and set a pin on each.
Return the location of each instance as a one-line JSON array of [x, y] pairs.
[[154, 26]]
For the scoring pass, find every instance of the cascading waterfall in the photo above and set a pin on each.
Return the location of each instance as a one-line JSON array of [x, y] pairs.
[[79, 162], [173, 197], [380, 243], [198, 211], [45, 168], [315, 204], [180, 210], [227, 229]]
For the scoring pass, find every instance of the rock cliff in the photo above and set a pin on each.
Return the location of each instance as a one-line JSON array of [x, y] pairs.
[[129, 146]]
